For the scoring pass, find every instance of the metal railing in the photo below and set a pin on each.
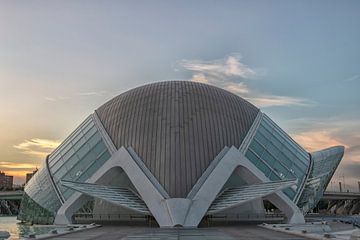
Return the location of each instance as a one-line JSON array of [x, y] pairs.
[[247, 216], [110, 217]]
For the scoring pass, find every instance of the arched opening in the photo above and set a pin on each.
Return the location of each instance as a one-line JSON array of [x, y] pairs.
[[111, 199], [248, 211], [251, 208]]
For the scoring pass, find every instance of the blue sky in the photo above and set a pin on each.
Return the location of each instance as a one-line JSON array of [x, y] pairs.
[[297, 60]]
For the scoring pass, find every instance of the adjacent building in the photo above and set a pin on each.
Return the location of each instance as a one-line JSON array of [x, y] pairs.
[[30, 175], [178, 152], [6, 182]]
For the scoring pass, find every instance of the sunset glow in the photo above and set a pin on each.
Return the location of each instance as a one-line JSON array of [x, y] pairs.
[[299, 63]]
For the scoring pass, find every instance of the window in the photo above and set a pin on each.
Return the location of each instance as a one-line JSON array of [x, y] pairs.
[[273, 148]]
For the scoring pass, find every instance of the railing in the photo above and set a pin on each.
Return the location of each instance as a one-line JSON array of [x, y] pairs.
[[134, 217], [110, 217], [247, 216], [131, 219], [234, 218]]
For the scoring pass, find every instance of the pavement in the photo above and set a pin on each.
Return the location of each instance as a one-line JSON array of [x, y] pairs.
[[243, 232], [317, 230]]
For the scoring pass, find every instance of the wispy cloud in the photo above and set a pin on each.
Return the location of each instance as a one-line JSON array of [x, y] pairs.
[[317, 134], [13, 165], [98, 93], [77, 95], [315, 140], [352, 78], [18, 170], [37, 146], [227, 67], [50, 99], [264, 100], [231, 74], [354, 149], [57, 98]]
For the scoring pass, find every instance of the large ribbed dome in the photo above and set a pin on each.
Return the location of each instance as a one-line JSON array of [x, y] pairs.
[[177, 128]]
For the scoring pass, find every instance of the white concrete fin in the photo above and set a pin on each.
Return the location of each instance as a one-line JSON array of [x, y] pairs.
[[231, 161], [178, 209], [116, 195], [148, 192], [251, 133], [104, 135], [232, 197], [187, 212]]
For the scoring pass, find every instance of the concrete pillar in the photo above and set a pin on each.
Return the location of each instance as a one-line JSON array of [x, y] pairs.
[[340, 187]]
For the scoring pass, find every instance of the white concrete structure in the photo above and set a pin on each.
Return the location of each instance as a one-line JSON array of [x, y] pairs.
[[178, 152], [188, 212]]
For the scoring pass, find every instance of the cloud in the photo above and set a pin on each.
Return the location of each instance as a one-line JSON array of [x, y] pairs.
[[317, 134], [231, 74], [354, 149], [98, 93], [13, 165], [54, 99], [273, 100], [18, 170], [352, 78], [237, 88], [316, 140], [78, 94], [37, 146], [50, 99], [227, 67], [313, 134]]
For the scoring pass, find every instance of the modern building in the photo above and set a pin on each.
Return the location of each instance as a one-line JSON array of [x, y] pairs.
[[6, 182], [30, 175], [178, 152]]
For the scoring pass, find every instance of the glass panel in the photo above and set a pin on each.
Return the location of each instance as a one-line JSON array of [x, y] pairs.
[[262, 139], [265, 133], [267, 157], [274, 177], [264, 168], [85, 152], [257, 148], [252, 157], [286, 157]]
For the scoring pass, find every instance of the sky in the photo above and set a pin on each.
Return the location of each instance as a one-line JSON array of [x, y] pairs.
[[298, 61]]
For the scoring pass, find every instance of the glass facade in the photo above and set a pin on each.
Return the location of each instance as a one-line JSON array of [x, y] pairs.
[[40, 190], [79, 156], [324, 166], [271, 150], [277, 155], [31, 211], [76, 159]]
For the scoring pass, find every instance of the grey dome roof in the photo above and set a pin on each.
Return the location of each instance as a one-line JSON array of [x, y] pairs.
[[177, 128]]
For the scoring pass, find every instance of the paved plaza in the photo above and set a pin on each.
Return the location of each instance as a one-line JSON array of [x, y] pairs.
[[246, 232]]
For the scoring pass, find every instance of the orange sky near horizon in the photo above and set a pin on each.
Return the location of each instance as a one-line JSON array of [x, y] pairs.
[[39, 148]]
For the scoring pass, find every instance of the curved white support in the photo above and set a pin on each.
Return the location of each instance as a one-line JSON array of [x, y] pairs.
[[188, 212], [72, 205], [178, 209], [150, 195], [233, 160]]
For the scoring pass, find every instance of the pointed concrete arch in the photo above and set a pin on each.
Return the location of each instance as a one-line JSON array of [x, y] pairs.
[[211, 187], [152, 197], [188, 212]]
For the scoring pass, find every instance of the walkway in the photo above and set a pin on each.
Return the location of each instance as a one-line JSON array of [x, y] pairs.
[[245, 232]]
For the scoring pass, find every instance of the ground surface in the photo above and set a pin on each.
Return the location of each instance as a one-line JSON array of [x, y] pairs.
[[246, 232]]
